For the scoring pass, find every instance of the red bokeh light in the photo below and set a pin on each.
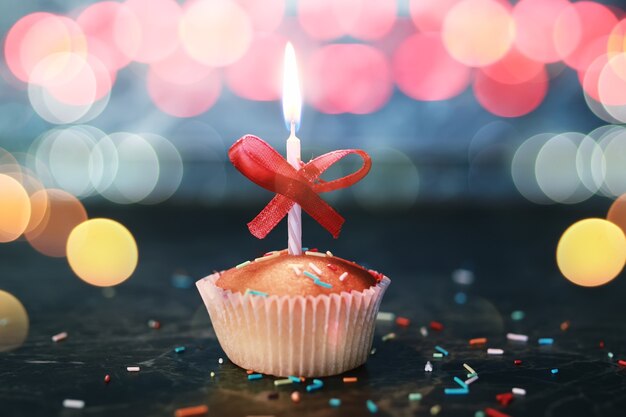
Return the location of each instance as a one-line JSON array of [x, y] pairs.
[[428, 15], [612, 81], [424, 70], [180, 68], [184, 100], [513, 68], [535, 22], [265, 15], [348, 78], [510, 100], [258, 74], [318, 19]]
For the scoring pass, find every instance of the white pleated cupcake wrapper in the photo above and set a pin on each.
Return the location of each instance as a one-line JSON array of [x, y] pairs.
[[294, 335]]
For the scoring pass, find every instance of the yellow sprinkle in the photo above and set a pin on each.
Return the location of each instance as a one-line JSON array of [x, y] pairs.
[[241, 265], [265, 258], [279, 382], [319, 254], [329, 254], [469, 369]]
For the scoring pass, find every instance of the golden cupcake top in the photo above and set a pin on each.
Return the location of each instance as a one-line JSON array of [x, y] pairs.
[[312, 273]]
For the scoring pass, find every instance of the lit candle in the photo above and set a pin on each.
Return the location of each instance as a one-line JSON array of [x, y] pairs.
[[292, 105]]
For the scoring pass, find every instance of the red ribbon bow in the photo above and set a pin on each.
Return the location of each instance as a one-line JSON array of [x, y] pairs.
[[261, 164]]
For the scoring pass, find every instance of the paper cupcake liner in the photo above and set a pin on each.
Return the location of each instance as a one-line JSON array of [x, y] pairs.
[[294, 335]]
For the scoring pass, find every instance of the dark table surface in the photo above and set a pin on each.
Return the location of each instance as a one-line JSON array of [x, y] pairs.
[[509, 249]]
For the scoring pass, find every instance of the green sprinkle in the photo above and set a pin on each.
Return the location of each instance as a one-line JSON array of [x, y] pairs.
[[334, 402], [280, 382], [415, 396], [179, 349], [255, 292], [437, 355], [312, 276], [442, 350], [373, 408], [388, 336], [252, 377], [518, 315], [472, 375], [241, 265], [610, 355]]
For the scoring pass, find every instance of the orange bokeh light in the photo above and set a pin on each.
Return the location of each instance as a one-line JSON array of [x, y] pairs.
[[14, 209]]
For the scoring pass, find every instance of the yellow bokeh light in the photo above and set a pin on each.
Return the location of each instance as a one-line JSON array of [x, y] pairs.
[[591, 252], [13, 322], [102, 252], [14, 209]]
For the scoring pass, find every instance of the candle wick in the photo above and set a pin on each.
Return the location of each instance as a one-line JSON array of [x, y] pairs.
[[293, 128]]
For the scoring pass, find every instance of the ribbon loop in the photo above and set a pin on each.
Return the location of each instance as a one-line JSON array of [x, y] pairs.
[[261, 164]]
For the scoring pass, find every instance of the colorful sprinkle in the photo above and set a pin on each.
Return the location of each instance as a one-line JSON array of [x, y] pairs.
[[133, 369], [435, 325], [107, 378], [348, 379], [471, 379], [179, 349], [220, 361], [267, 257], [610, 355], [478, 341], [505, 398], [315, 268], [442, 350], [285, 381], [492, 412], [69, 403], [456, 391], [428, 367], [435, 409], [565, 325], [255, 292], [319, 254], [241, 265], [198, 410], [517, 337], [371, 406], [460, 382], [323, 284], [517, 362], [470, 369], [343, 276], [415, 396], [252, 377], [518, 315], [317, 384], [403, 322], [518, 391], [384, 316], [424, 331], [212, 374], [373, 351], [331, 267], [296, 269], [479, 414], [546, 341], [621, 362], [329, 254], [295, 397], [58, 337], [310, 275], [554, 371], [334, 402], [294, 379], [153, 324], [388, 336], [492, 351], [438, 355]]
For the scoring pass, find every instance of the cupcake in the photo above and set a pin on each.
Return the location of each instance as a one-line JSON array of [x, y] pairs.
[[308, 315]]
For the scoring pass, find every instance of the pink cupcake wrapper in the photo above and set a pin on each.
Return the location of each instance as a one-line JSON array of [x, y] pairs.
[[294, 335]]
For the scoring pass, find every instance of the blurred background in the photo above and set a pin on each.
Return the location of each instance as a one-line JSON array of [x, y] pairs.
[[474, 100]]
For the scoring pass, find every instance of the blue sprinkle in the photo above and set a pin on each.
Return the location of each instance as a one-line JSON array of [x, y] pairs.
[[460, 298], [252, 377], [554, 371], [255, 292], [546, 341], [294, 379], [179, 349], [317, 384], [456, 391], [305, 249], [334, 402], [442, 350], [323, 284], [312, 276], [373, 408], [460, 382]]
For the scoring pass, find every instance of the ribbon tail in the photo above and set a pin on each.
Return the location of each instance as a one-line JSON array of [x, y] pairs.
[[270, 216]]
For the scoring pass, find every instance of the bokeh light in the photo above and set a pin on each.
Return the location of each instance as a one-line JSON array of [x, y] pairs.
[[591, 252], [13, 322], [102, 252], [614, 148], [514, 68], [265, 16], [61, 214], [15, 209], [170, 169], [180, 68], [617, 212], [429, 15], [478, 32], [215, 32], [424, 70]]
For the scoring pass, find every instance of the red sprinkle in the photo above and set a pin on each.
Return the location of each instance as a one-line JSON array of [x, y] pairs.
[[601, 344], [492, 412], [403, 321], [332, 267], [517, 362], [107, 378], [505, 398], [377, 275], [435, 325], [313, 250], [249, 371], [621, 362]]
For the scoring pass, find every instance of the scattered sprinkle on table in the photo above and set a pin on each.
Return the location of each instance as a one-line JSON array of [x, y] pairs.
[[317, 384], [133, 368], [153, 324], [492, 412], [334, 402], [428, 367], [107, 378], [518, 315], [442, 350], [179, 349], [373, 351], [610, 355], [388, 336], [348, 379], [252, 377], [343, 276], [471, 380], [415, 396], [565, 325], [198, 410], [294, 379], [470, 369], [58, 337], [621, 362], [385, 316], [518, 391], [478, 341], [438, 355], [504, 398], [517, 362], [371, 406], [554, 371], [517, 337], [220, 361], [70, 403], [435, 325], [546, 341], [280, 382], [212, 374], [493, 351], [295, 397], [424, 331], [435, 409], [403, 321]]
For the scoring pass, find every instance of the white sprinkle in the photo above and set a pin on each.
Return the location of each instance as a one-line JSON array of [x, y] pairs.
[[133, 368], [492, 351], [297, 265], [428, 367], [472, 379], [343, 276], [424, 331], [265, 258], [320, 254], [329, 254], [384, 316], [69, 403], [463, 277], [59, 337], [315, 268], [220, 361], [296, 269], [519, 391], [517, 337]]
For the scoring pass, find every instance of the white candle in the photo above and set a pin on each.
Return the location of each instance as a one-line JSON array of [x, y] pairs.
[[292, 103]]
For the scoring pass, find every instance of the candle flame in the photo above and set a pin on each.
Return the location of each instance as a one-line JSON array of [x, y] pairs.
[[292, 98]]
